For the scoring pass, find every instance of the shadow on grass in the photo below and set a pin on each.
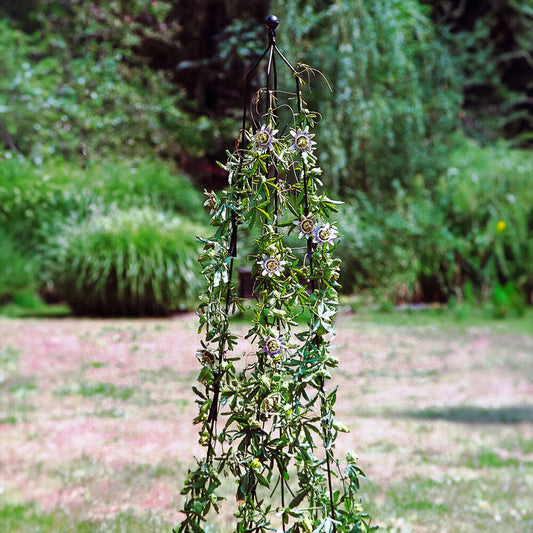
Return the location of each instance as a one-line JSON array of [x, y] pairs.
[[468, 414]]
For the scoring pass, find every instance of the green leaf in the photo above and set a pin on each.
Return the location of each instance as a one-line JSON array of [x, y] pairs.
[[298, 499], [263, 212]]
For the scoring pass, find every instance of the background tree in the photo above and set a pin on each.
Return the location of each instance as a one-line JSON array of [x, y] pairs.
[[393, 101], [492, 44]]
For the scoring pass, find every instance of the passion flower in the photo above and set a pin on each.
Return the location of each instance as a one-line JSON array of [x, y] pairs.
[[306, 226], [302, 140], [272, 346], [264, 138], [272, 265], [324, 234]]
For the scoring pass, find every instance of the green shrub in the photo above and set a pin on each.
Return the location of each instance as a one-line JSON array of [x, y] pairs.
[[36, 200], [128, 263], [507, 301], [370, 258], [16, 270], [487, 195], [475, 228], [86, 82], [148, 182], [403, 250], [70, 91]]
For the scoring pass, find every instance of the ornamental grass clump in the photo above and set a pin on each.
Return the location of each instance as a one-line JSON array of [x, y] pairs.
[[266, 416], [128, 263]]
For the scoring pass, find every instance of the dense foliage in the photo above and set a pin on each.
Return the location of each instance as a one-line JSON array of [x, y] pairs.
[[86, 79], [74, 86], [34, 199], [474, 228], [492, 44], [393, 103], [38, 204], [88, 87]]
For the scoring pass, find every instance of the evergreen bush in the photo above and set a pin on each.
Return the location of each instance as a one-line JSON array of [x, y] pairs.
[[127, 263]]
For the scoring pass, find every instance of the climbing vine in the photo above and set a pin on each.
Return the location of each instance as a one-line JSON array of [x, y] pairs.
[[267, 418]]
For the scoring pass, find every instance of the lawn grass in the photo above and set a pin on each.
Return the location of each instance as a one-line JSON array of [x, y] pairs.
[[34, 308], [103, 389], [437, 403], [30, 518], [446, 318], [496, 501]]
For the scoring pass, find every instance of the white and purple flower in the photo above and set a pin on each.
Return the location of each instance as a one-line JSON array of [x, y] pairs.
[[306, 225], [302, 140], [272, 265], [264, 137], [324, 234], [273, 346]]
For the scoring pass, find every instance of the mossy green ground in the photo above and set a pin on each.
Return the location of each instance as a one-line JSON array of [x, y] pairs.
[[97, 434]]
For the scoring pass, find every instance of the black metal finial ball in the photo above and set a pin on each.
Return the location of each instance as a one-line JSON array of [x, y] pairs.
[[272, 22]]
